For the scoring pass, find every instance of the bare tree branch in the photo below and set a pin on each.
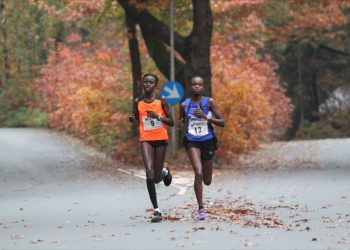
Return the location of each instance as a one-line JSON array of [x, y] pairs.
[[333, 50]]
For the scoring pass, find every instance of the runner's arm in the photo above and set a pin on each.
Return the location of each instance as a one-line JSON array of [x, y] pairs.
[[168, 118], [134, 116], [217, 118], [181, 121]]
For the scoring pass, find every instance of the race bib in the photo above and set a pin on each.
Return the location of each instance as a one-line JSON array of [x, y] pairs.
[[198, 127], [150, 123]]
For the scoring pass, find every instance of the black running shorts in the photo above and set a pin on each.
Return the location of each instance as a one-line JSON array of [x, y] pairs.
[[207, 147], [158, 143]]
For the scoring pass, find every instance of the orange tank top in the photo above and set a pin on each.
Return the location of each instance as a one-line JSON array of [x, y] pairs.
[[151, 129]]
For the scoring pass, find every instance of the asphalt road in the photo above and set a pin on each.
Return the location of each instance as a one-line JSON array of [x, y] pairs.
[[56, 193]]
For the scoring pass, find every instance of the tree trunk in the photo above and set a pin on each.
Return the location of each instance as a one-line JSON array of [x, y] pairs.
[[315, 101], [194, 50], [301, 87], [4, 79], [135, 64], [198, 62]]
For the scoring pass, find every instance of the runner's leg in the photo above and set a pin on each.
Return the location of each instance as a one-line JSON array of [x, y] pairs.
[[207, 161], [207, 171], [147, 156], [159, 157], [195, 157]]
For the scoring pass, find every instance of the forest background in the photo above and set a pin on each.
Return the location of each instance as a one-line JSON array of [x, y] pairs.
[[278, 69]]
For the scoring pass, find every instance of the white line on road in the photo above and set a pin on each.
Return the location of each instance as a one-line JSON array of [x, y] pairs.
[[131, 173], [182, 189]]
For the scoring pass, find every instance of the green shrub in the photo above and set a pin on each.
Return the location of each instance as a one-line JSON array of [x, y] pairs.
[[336, 125], [24, 117]]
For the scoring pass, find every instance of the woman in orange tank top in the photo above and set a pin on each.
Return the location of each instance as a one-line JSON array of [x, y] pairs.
[[153, 114]]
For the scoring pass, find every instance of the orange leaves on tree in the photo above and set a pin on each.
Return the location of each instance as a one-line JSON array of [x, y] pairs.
[[306, 21], [103, 55], [244, 81], [78, 9], [83, 88], [250, 29], [221, 6], [311, 21], [248, 91], [72, 10], [74, 37]]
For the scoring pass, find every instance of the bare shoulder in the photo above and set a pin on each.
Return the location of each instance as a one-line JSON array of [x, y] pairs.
[[182, 104], [211, 102], [163, 100]]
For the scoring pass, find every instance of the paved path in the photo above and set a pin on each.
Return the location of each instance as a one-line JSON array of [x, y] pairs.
[[286, 196]]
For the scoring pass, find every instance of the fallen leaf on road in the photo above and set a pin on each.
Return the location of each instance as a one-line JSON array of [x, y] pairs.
[[197, 229], [17, 236], [249, 244], [217, 228], [97, 237], [36, 241], [198, 242], [58, 242], [172, 217]]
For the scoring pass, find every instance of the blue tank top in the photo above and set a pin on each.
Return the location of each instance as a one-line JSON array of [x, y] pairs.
[[198, 129]]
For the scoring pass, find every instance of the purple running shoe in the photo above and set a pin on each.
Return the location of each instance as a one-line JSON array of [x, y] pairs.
[[201, 214]]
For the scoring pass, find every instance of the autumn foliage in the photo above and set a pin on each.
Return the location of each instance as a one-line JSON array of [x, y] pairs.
[[71, 11], [87, 92], [311, 21], [247, 89]]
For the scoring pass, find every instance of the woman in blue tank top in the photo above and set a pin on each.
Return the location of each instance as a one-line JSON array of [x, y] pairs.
[[197, 115]]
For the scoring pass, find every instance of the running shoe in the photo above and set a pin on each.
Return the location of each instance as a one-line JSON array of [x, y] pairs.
[[201, 214], [157, 217], [168, 178], [164, 172]]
